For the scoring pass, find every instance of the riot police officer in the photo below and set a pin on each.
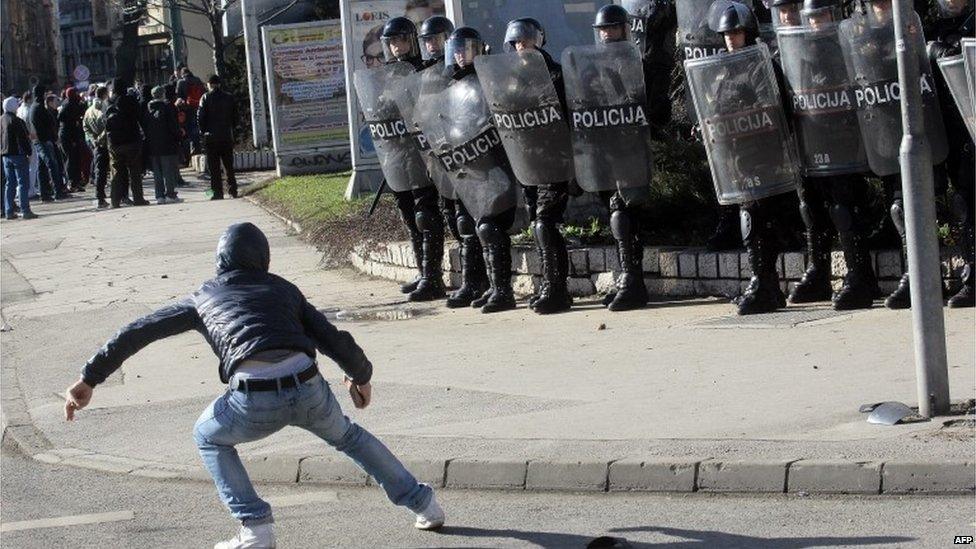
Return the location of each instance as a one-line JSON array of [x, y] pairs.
[[493, 198], [738, 25], [611, 25], [434, 34], [418, 207], [956, 21], [833, 194], [546, 202]]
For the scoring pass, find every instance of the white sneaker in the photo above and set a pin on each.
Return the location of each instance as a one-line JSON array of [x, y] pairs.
[[160, 201], [260, 536], [176, 200], [431, 518]]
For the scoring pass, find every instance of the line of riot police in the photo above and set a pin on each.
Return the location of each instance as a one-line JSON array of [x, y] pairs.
[[459, 133]]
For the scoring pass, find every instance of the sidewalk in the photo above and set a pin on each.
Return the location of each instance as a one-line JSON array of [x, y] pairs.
[[681, 396]]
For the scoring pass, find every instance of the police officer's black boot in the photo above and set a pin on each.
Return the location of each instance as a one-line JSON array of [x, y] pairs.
[[631, 292], [474, 281], [417, 243], [498, 258], [431, 284], [726, 235], [901, 298], [815, 284], [763, 295], [860, 285], [502, 297], [554, 296]]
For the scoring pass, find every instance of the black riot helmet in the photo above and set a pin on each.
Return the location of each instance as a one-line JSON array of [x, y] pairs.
[[434, 33], [611, 24], [402, 33], [727, 15], [950, 9], [524, 28], [820, 12], [786, 13], [464, 44]]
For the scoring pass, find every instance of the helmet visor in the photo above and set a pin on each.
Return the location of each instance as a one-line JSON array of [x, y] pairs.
[[462, 51], [399, 47], [522, 32], [786, 16], [607, 34], [432, 45]]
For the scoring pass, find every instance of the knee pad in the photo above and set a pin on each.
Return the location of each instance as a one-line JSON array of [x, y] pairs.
[[466, 226], [898, 215], [620, 225], [428, 220], [547, 234], [490, 234], [962, 209], [746, 224], [842, 217]]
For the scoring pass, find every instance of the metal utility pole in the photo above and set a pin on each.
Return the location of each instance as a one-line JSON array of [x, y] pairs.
[[176, 33], [924, 266], [255, 76]]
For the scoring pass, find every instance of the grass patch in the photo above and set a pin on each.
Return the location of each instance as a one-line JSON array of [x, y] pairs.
[[336, 226]]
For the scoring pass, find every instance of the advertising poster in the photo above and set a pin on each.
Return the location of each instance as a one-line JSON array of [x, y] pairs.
[[307, 89]]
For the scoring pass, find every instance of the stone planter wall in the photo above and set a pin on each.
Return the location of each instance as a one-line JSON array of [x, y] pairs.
[[243, 161], [668, 271]]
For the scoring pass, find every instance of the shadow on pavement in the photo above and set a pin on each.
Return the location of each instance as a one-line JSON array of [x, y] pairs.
[[693, 538]]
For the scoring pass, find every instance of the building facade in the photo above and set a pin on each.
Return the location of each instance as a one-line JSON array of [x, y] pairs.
[[79, 46], [30, 46]]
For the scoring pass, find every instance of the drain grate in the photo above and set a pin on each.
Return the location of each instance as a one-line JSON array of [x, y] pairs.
[[786, 318]]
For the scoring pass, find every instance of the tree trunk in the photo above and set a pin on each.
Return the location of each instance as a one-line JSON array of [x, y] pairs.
[[220, 66]]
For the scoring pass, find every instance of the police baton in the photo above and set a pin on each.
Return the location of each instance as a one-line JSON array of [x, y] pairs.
[[376, 199]]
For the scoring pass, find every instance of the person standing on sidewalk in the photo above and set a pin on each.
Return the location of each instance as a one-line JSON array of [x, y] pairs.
[[45, 131], [122, 126], [15, 148], [23, 112], [163, 135], [216, 118], [71, 137], [266, 334], [94, 125], [190, 90]]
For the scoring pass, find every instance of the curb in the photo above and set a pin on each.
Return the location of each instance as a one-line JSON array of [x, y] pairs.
[[653, 475]]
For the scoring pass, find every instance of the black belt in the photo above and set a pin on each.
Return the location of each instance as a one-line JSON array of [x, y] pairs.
[[248, 385]]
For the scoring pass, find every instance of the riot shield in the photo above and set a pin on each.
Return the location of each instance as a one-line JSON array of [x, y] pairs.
[[407, 100], [526, 111], [695, 39], [869, 51], [456, 121], [400, 159], [642, 12], [750, 150], [954, 70], [607, 103], [825, 118], [969, 60]]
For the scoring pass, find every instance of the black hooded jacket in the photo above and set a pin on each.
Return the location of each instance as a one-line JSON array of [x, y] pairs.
[[44, 125], [242, 311]]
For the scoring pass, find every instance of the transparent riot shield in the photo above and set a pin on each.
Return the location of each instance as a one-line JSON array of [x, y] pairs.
[[407, 101], [822, 102], [528, 115], [750, 149], [400, 159], [868, 41], [969, 60], [695, 39], [457, 123], [607, 103], [954, 70]]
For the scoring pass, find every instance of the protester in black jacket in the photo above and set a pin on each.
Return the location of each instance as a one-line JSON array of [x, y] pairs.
[[217, 116], [45, 129], [71, 137], [266, 334], [163, 137], [122, 125]]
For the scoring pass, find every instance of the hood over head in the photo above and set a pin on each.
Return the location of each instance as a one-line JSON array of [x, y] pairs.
[[243, 247], [39, 92], [10, 104]]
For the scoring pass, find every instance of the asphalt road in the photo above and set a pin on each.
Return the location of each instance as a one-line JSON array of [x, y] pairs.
[[54, 506]]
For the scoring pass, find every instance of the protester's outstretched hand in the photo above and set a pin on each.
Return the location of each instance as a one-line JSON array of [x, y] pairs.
[[361, 394], [76, 397]]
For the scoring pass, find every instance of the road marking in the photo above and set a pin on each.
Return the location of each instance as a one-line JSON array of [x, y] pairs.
[[72, 520], [303, 499]]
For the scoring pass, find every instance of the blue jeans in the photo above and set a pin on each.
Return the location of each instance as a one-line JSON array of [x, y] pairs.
[[236, 417], [50, 169], [16, 171], [166, 172]]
